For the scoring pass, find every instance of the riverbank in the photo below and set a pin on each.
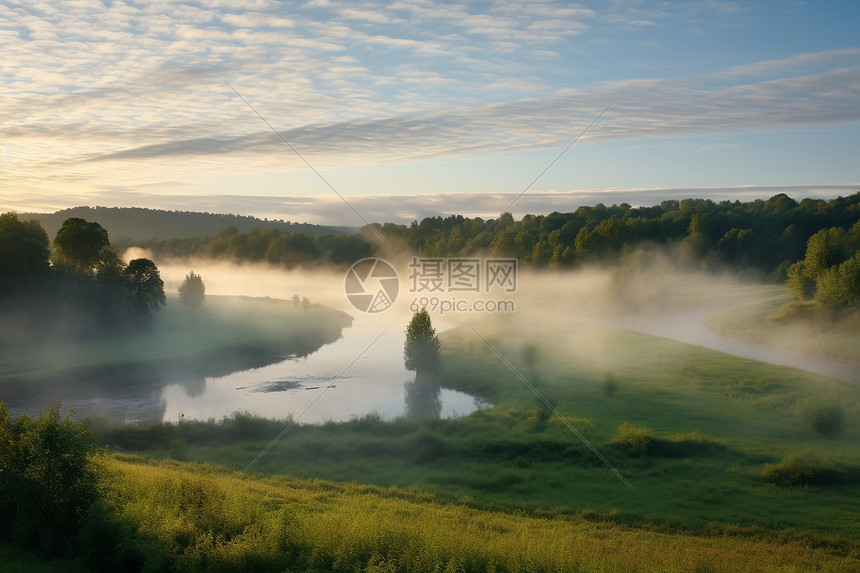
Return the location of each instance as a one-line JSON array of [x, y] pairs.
[[228, 333], [783, 323]]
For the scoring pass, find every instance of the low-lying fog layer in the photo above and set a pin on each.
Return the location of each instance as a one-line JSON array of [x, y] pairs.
[[653, 300], [650, 300]]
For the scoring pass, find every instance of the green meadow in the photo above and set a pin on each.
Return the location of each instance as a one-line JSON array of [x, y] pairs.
[[179, 516], [707, 442], [728, 464]]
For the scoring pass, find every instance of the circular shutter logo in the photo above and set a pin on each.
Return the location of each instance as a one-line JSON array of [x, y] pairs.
[[371, 285]]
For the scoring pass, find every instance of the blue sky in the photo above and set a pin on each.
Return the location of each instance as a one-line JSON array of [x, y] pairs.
[[421, 107]]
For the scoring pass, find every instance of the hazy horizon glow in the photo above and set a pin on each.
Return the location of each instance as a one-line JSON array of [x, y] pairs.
[[421, 107]]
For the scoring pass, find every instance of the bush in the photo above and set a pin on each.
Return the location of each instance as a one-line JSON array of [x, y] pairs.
[[48, 479], [800, 470], [827, 420], [749, 387], [634, 440]]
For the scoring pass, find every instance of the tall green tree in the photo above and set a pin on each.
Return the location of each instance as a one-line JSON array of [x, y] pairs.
[[192, 291], [802, 285], [826, 248], [839, 286], [79, 243], [422, 346], [24, 254], [144, 284]]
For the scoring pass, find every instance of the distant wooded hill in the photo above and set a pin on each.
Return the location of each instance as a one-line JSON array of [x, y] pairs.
[[762, 236], [137, 223]]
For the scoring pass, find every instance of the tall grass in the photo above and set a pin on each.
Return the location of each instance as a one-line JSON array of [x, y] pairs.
[[192, 517]]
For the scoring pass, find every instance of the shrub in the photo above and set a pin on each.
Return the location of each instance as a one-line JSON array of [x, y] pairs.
[[800, 470], [748, 387], [48, 479], [634, 440], [827, 420], [697, 442]]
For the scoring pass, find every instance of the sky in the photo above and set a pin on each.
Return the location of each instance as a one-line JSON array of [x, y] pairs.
[[348, 112]]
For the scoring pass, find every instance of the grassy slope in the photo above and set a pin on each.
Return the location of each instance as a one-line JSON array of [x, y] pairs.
[[783, 322], [194, 517], [719, 420]]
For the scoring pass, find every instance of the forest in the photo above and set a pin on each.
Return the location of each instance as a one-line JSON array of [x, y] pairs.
[[765, 236], [764, 239]]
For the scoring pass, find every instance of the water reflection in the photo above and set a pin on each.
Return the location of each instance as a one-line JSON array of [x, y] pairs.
[[345, 379], [338, 381], [422, 398]]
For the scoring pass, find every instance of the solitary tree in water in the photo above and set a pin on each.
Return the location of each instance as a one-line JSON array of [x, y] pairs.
[[421, 350], [192, 291]]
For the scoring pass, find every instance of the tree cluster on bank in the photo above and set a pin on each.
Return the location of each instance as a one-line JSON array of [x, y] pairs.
[[829, 273], [82, 287]]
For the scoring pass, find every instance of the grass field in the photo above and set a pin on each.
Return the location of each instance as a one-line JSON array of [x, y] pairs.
[[334, 527], [184, 517]]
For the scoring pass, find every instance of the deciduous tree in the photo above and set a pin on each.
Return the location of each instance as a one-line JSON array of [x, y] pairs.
[[79, 243], [145, 286], [24, 254], [192, 291], [421, 349]]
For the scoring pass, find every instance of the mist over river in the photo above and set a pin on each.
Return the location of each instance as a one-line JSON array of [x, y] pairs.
[[362, 372]]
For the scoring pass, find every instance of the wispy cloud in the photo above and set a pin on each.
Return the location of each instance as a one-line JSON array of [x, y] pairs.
[[795, 64], [653, 108], [96, 91]]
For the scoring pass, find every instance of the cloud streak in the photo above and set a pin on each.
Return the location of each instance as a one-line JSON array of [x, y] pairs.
[[653, 108]]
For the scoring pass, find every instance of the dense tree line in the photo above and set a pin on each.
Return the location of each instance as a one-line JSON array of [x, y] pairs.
[[266, 244], [83, 287], [767, 236], [762, 236]]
